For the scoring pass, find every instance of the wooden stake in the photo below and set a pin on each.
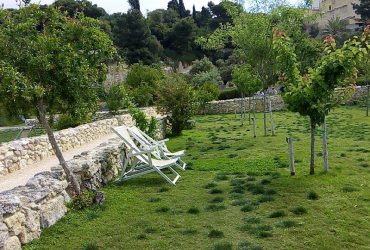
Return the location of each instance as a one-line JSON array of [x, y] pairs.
[[291, 155], [325, 147]]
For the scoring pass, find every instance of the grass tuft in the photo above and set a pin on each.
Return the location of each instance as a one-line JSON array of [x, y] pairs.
[[246, 245], [163, 189], [150, 230], [277, 214], [215, 191], [312, 195], [210, 185], [214, 207], [286, 224], [141, 237], [265, 181], [162, 210], [217, 199], [265, 198], [90, 246], [193, 210], [154, 199], [252, 220], [215, 234], [223, 246], [349, 189], [239, 202], [247, 208], [189, 231], [299, 210]]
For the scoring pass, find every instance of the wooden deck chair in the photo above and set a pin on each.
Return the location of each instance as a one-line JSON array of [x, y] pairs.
[[142, 161], [162, 151], [24, 132]]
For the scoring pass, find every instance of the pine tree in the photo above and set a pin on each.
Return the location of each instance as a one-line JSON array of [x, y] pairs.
[[182, 10], [194, 14], [135, 4], [173, 4], [363, 9]]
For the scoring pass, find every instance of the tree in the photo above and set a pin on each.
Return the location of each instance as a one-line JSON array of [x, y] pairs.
[[49, 61], [363, 9], [182, 10], [134, 4], [176, 98], [134, 39], [247, 83], [312, 94], [73, 7], [251, 34], [203, 71]]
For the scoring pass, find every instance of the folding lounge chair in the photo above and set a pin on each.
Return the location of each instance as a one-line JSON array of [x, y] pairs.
[[142, 162], [162, 151]]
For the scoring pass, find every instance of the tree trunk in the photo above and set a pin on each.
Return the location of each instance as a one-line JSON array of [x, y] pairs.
[[242, 109], [291, 155], [70, 176], [254, 118], [312, 162], [367, 97], [264, 115], [325, 147], [250, 109], [271, 118]]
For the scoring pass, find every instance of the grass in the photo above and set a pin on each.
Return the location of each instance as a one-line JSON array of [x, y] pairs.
[[6, 136], [339, 219]]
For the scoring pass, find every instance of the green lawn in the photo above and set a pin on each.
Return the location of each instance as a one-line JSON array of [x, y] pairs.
[[6, 136], [239, 194]]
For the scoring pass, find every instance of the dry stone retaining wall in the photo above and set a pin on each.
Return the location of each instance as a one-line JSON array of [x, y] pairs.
[[26, 210], [21, 153]]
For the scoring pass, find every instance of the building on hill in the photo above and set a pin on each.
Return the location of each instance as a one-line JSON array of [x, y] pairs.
[[331, 9]]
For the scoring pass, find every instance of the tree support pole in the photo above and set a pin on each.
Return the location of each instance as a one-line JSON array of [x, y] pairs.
[[325, 147], [312, 161], [264, 115], [291, 155], [271, 118]]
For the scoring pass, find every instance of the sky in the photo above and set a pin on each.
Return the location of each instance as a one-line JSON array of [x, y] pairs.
[[113, 6]]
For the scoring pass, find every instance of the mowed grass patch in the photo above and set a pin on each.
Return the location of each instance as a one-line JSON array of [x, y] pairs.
[[337, 219]]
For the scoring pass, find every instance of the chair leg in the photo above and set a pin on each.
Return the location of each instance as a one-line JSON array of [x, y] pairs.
[[173, 182]]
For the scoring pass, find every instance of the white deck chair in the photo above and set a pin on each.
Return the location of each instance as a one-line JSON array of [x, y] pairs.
[[162, 151], [142, 162]]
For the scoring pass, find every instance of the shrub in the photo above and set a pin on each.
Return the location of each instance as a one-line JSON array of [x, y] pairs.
[[215, 191], [229, 93], [215, 234], [117, 98], [176, 98], [83, 201], [206, 93], [90, 246], [142, 81], [204, 71], [217, 199]]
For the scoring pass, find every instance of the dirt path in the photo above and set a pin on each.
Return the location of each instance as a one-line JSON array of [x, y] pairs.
[[21, 176]]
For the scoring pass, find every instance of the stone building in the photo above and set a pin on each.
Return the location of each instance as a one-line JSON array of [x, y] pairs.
[[329, 9]]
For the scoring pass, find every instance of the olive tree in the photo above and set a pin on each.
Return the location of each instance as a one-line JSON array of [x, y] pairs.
[[49, 62], [313, 94]]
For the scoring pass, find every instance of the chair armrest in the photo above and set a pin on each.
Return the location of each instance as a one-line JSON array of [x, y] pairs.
[[143, 152], [163, 141]]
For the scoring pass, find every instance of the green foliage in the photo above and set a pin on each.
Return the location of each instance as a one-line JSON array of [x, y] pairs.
[[312, 195], [245, 79], [229, 93], [215, 234], [51, 62], [117, 98], [203, 71], [207, 92], [142, 82], [177, 99], [73, 7], [362, 9], [83, 201]]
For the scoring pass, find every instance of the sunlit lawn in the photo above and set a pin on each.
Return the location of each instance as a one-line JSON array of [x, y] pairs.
[[238, 193]]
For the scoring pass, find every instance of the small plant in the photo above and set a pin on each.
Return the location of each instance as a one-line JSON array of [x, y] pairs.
[[162, 210], [277, 214], [215, 191], [343, 155], [237, 189], [299, 210], [237, 182], [223, 246], [210, 185], [286, 224], [92, 215], [312, 195], [214, 207], [251, 178], [193, 210], [247, 208], [217, 199], [364, 165], [255, 189], [270, 191], [163, 189], [90, 246], [215, 234], [83, 201]]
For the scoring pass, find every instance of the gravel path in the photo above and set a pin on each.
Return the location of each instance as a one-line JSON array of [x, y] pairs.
[[21, 176]]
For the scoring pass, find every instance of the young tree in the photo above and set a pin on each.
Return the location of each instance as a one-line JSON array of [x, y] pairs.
[[313, 94], [247, 82], [49, 61]]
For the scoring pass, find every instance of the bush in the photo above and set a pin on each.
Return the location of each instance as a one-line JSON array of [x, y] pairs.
[[176, 98], [203, 71], [142, 82], [206, 93], [215, 234], [229, 93], [117, 98], [83, 201], [312, 195]]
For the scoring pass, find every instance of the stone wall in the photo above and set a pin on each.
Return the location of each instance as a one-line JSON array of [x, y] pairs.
[[26, 210], [234, 105], [21, 153], [277, 103]]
